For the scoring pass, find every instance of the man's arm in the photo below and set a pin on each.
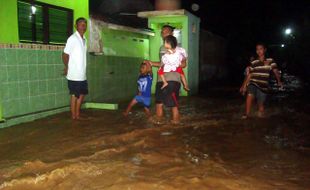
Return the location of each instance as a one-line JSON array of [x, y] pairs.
[[245, 84], [153, 64], [278, 77], [65, 59]]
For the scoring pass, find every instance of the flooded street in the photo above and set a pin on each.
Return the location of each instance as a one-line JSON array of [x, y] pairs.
[[211, 149]]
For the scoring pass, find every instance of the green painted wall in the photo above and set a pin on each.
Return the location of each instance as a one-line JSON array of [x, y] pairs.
[[80, 7], [32, 85], [112, 79], [125, 44], [193, 51], [9, 22], [31, 81], [8, 15]]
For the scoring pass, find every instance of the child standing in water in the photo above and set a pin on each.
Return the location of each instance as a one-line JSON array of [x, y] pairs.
[[144, 90], [257, 82], [171, 61]]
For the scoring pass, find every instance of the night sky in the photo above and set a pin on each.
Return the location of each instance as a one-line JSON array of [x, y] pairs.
[[243, 23], [262, 20]]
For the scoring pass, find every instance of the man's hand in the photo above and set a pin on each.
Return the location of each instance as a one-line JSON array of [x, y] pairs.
[[148, 62], [65, 71], [151, 63], [280, 84], [65, 59]]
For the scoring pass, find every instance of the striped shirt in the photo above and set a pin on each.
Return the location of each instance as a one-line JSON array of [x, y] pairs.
[[260, 73]]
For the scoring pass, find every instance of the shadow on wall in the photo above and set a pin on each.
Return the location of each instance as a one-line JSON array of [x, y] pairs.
[[212, 58]]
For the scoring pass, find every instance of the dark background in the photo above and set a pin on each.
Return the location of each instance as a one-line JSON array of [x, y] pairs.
[[243, 23]]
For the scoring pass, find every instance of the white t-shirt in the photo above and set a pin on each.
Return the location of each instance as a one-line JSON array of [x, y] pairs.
[[76, 49], [172, 61]]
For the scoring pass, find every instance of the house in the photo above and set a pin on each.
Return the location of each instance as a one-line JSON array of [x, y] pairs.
[[33, 35]]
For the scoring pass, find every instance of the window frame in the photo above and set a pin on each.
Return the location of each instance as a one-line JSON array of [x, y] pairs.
[[46, 30]]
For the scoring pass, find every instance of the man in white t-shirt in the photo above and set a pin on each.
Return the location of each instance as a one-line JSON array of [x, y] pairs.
[[74, 58]]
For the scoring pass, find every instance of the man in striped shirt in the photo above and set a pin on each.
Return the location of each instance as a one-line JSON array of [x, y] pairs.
[[257, 82]]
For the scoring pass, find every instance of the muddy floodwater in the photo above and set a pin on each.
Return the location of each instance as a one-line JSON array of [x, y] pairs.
[[211, 149]]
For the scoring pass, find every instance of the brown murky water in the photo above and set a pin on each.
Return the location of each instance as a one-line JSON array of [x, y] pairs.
[[211, 149]]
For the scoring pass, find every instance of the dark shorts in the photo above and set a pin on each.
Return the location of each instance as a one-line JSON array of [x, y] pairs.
[[145, 101], [257, 93], [169, 96], [78, 88]]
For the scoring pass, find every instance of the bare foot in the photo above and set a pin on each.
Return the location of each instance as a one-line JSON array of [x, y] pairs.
[[73, 117], [175, 122], [244, 117], [125, 114], [261, 115], [156, 120], [164, 85]]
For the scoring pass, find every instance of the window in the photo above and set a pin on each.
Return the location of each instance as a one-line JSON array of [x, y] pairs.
[[43, 23]]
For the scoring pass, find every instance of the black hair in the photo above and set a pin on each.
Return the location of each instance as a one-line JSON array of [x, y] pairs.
[[171, 28], [148, 67], [81, 19], [171, 40], [261, 44]]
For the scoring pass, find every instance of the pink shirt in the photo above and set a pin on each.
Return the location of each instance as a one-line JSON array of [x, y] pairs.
[[172, 61]]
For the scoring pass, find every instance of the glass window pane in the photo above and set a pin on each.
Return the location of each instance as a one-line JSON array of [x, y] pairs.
[[27, 15], [24, 21], [58, 25]]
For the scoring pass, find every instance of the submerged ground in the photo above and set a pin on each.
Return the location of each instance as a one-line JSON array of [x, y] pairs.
[[212, 149]]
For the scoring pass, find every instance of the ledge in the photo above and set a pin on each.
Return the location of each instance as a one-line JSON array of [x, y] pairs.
[[147, 14], [32, 46], [96, 24]]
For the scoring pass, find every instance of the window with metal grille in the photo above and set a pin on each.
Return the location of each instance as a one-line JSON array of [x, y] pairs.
[[43, 23]]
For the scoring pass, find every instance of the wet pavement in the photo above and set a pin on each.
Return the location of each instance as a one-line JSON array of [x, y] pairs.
[[211, 149]]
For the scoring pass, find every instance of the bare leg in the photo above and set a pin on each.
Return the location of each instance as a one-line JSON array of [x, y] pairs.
[[72, 107], [261, 110], [78, 106], [175, 115], [249, 101], [159, 111], [184, 82], [131, 104], [165, 83], [147, 112]]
